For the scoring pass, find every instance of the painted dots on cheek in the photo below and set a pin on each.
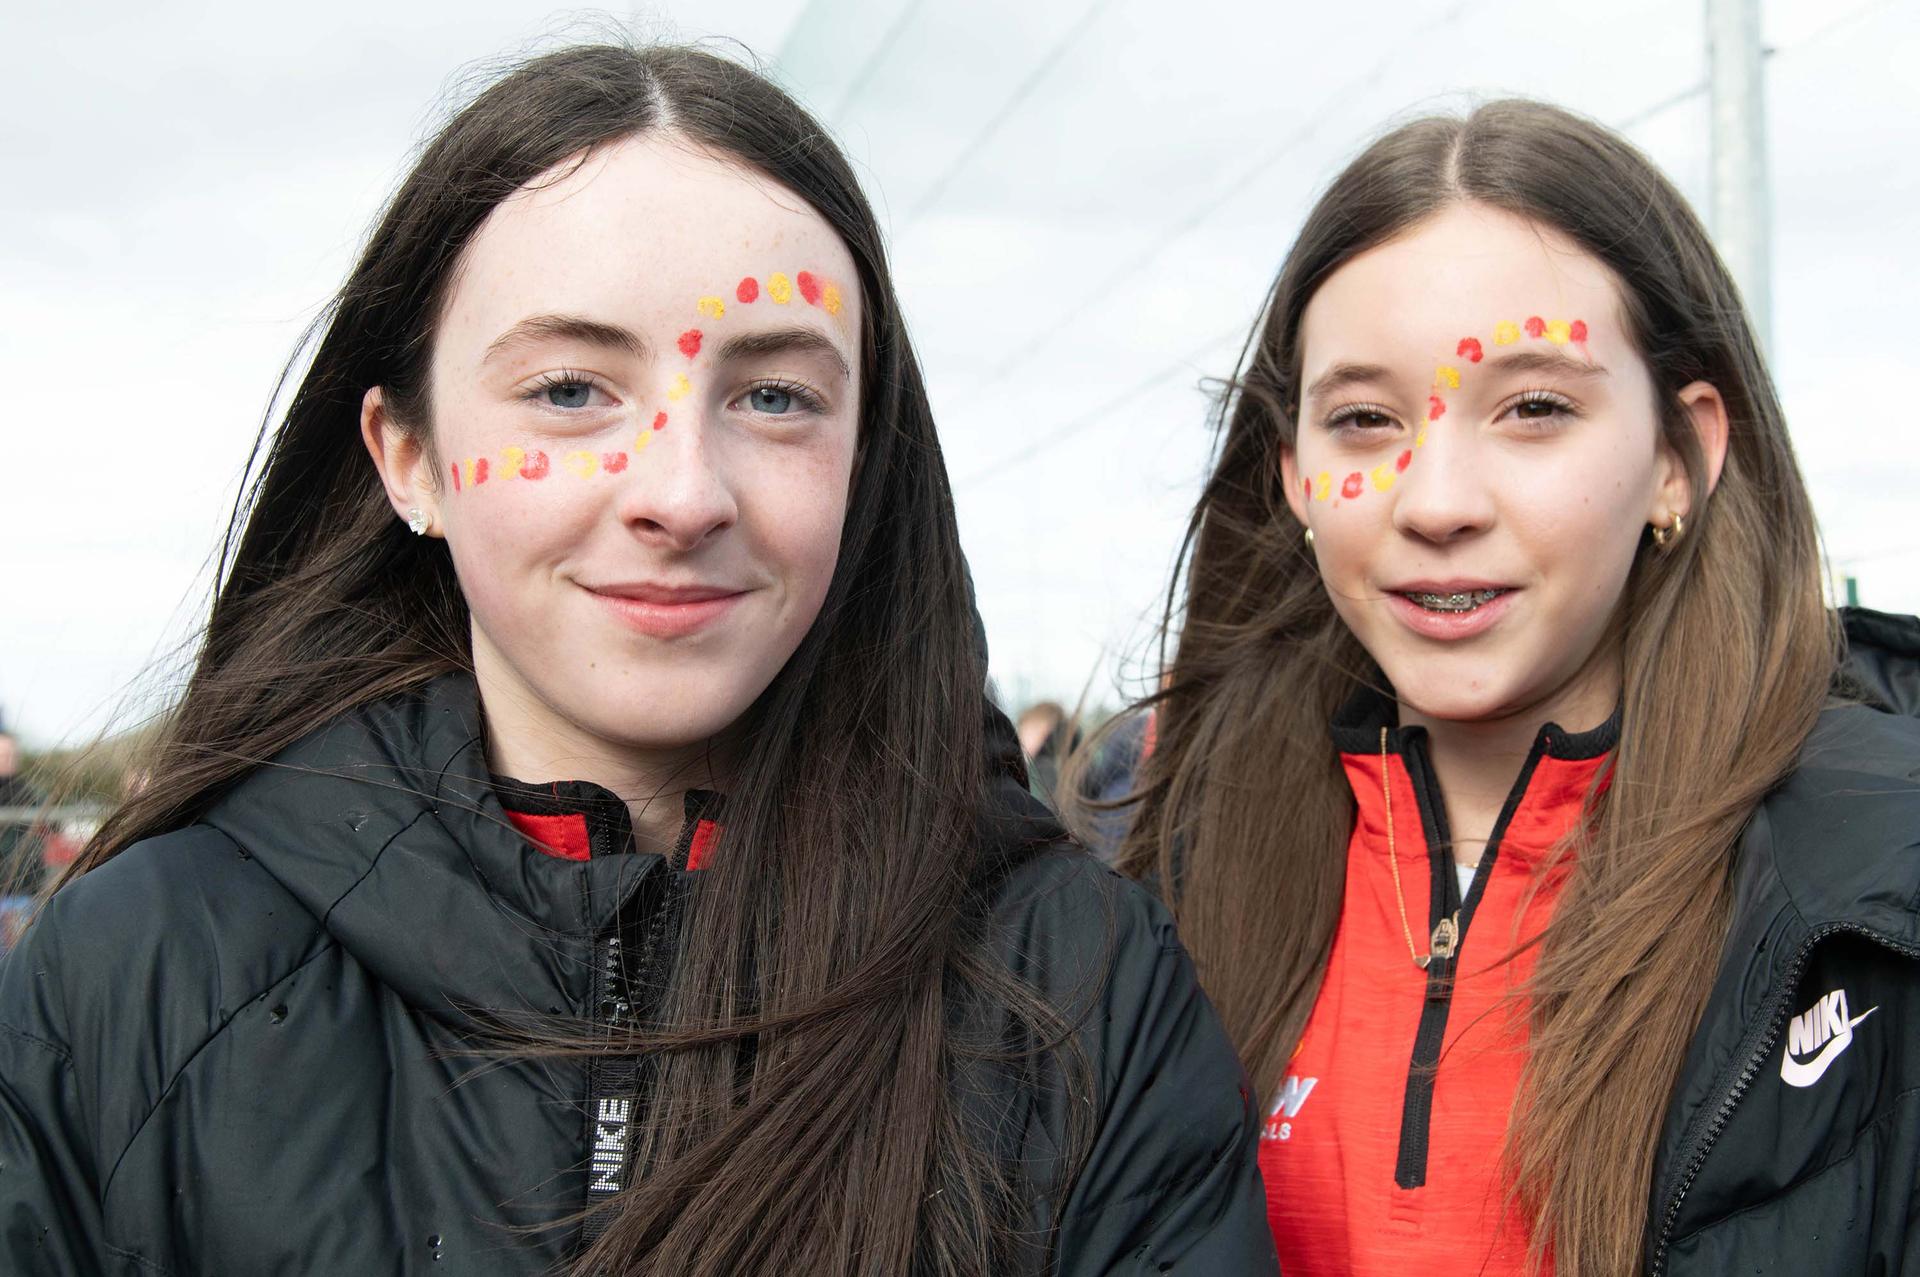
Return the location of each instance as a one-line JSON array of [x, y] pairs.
[[454, 466], [613, 462], [511, 459], [584, 464], [659, 421], [1383, 476], [1404, 460], [1353, 486], [1436, 407], [536, 466], [1322, 486]]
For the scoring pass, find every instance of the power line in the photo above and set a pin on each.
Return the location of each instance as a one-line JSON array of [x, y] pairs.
[[1200, 213], [1094, 416], [865, 74], [1020, 95]]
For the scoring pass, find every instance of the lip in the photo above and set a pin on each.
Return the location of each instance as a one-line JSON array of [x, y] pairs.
[[666, 611], [1449, 626]]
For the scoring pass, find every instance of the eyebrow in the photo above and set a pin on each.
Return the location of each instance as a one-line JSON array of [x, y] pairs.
[[795, 339], [1341, 376], [592, 332]]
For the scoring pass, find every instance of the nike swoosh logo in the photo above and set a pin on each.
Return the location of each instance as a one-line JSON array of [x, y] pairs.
[[1805, 1073]]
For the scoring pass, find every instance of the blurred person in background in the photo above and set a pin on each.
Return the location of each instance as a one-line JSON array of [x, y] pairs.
[[1045, 737], [1551, 853], [539, 873], [20, 870]]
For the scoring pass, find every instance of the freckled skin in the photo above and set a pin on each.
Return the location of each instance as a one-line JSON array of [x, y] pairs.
[[1558, 513], [734, 495]]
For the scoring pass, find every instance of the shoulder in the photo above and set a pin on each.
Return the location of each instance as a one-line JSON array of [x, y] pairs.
[[1062, 917], [131, 968]]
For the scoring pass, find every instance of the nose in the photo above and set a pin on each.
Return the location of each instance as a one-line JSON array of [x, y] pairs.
[[1444, 494], [677, 494]]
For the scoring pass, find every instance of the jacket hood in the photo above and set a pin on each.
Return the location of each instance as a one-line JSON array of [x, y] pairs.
[[1882, 663], [385, 826]]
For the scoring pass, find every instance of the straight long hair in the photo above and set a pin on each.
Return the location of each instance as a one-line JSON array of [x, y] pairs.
[[1726, 651], [805, 1120]]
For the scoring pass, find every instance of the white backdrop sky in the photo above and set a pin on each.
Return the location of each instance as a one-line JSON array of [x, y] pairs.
[[1087, 201]]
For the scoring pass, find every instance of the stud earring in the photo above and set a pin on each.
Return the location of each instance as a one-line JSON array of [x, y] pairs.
[[1309, 538], [417, 522]]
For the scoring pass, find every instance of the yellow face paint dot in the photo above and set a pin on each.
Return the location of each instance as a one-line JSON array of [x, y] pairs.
[[830, 299], [1322, 486], [712, 307], [780, 288], [1559, 331], [1448, 377], [680, 387], [470, 468], [640, 444], [512, 457], [1383, 477], [1505, 334], [584, 464]]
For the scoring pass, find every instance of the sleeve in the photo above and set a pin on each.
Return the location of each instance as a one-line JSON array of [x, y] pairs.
[[1171, 1183], [49, 1201]]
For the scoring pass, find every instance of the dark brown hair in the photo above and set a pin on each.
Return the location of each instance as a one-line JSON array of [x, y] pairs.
[[1726, 649], [837, 927]]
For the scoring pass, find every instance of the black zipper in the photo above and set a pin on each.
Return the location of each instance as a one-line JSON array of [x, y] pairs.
[[1763, 1036], [1416, 1107]]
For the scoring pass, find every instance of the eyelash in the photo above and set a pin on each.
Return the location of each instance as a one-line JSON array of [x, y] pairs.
[[1338, 421], [559, 377], [1549, 398]]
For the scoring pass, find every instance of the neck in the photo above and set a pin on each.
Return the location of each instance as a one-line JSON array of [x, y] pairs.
[[530, 741], [1477, 760]]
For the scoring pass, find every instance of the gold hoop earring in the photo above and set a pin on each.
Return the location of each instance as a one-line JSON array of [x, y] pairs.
[[1663, 537]]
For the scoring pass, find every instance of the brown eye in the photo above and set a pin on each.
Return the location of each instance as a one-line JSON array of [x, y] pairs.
[[1536, 409]]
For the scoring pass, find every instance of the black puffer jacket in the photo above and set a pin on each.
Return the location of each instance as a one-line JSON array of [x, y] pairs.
[[236, 1049], [1792, 1144]]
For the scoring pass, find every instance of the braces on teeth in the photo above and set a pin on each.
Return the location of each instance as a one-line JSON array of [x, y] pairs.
[[1462, 602]]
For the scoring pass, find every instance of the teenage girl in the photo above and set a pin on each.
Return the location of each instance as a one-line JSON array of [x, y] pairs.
[[1565, 917], [585, 842]]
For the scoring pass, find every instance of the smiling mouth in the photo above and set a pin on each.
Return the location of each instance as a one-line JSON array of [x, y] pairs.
[[1464, 601]]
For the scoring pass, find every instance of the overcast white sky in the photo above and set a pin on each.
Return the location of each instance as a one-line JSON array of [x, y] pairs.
[[1087, 200]]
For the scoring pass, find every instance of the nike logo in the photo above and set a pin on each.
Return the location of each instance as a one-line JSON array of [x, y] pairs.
[[1816, 1037]]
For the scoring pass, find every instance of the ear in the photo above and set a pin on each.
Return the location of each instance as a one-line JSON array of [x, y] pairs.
[[1290, 480], [1708, 413], [406, 471]]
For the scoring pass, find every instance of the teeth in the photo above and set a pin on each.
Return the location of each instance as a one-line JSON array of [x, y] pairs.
[[1462, 602]]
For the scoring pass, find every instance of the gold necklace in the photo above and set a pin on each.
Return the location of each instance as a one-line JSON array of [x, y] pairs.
[[1446, 934]]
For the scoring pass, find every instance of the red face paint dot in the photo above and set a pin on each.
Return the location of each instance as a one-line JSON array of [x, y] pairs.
[[1436, 407], [479, 472], [1353, 486], [749, 289], [455, 467], [535, 466], [659, 421], [1404, 460], [1306, 489], [1535, 326], [809, 287], [690, 342], [1470, 349], [613, 462], [1577, 330]]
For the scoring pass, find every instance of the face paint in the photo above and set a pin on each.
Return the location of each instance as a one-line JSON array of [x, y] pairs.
[[748, 291], [1383, 476], [1577, 331], [659, 421], [536, 466], [1559, 332], [689, 342], [1505, 334], [711, 307], [1353, 486], [584, 464], [1469, 350], [512, 457], [613, 462], [476, 472], [830, 299], [1436, 407], [1447, 377], [1322, 486], [680, 387], [779, 288], [1535, 326], [809, 287]]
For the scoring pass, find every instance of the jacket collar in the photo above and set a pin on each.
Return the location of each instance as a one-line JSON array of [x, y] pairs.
[[1548, 793], [385, 824]]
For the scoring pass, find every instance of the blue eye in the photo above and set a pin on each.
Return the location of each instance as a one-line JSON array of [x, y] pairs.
[[770, 399], [569, 394]]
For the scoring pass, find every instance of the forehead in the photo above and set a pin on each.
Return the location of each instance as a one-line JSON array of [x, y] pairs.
[[1456, 273], [631, 233]]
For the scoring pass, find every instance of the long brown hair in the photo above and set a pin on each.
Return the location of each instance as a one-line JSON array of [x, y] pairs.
[[1726, 652], [838, 923]]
